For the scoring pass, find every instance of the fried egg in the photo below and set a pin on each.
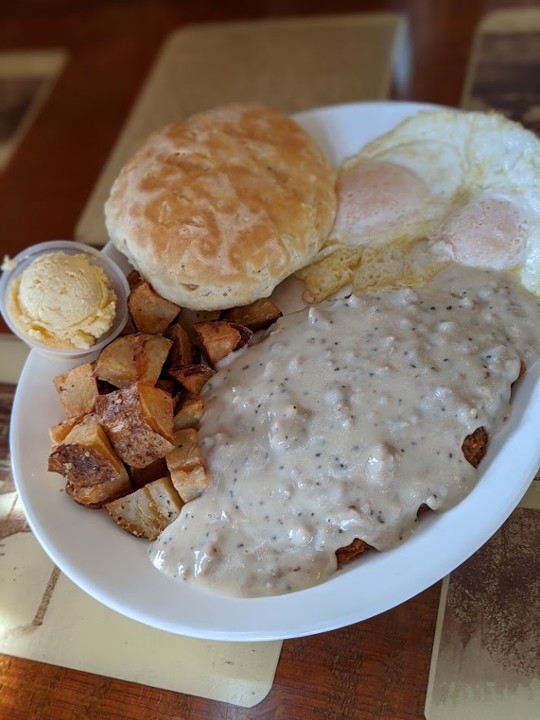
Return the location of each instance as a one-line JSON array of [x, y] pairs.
[[396, 186], [443, 186]]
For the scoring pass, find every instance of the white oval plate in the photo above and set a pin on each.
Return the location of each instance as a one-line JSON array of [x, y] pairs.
[[114, 567]]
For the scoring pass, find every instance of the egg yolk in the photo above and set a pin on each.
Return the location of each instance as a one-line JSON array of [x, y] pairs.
[[487, 231], [376, 200]]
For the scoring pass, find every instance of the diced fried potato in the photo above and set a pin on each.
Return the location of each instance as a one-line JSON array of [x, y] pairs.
[[349, 553], [257, 315], [167, 500], [133, 358], [157, 406], [186, 467], [139, 422], [85, 456], [129, 328], [188, 412], [147, 511], [105, 387], [182, 351], [96, 496], [188, 318], [191, 377], [221, 337], [168, 384], [150, 312], [133, 278], [59, 432], [77, 390], [142, 476], [475, 446], [189, 482], [86, 459]]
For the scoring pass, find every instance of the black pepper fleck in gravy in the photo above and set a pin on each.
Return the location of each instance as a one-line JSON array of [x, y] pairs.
[[325, 460]]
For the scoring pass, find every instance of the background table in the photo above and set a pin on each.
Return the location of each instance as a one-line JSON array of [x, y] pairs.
[[100, 56]]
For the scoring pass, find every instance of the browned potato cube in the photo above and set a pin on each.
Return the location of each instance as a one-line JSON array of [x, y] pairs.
[[188, 412], [147, 511], [86, 459], [150, 312], [77, 390], [133, 358], [191, 377], [129, 328], [136, 514], [166, 498], [142, 476], [182, 348], [221, 337], [133, 278], [257, 315], [347, 554], [169, 385], [138, 421], [475, 446], [186, 467], [58, 432], [96, 496]]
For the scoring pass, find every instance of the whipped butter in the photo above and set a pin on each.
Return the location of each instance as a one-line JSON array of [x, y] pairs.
[[343, 421], [62, 301]]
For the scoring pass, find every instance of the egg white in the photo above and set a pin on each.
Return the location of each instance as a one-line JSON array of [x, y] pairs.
[[468, 183]]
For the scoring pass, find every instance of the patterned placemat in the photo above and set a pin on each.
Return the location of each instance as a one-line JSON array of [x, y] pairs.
[[486, 655], [26, 78], [504, 66], [289, 64], [45, 617]]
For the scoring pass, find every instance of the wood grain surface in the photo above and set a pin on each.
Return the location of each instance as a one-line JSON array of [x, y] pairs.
[[376, 670], [111, 46]]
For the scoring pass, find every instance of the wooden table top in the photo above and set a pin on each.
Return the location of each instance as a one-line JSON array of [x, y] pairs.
[[377, 669], [111, 47]]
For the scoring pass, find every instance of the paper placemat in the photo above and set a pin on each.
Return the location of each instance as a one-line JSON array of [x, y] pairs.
[[26, 78], [13, 353], [45, 617], [290, 64], [486, 655], [504, 66]]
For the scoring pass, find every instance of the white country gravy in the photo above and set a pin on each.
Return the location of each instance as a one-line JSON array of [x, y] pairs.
[[345, 419]]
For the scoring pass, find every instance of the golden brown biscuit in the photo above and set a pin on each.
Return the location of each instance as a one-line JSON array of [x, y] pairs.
[[216, 211]]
